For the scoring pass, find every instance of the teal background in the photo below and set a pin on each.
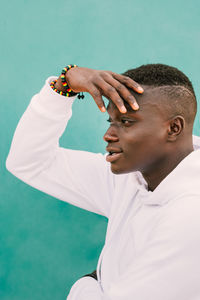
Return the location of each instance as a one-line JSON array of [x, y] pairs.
[[46, 244]]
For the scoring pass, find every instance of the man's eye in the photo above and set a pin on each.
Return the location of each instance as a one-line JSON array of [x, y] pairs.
[[126, 122], [123, 121]]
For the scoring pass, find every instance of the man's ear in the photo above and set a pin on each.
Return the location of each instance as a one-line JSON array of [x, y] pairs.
[[175, 127]]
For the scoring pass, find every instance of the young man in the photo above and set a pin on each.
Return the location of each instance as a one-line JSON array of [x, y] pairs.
[[148, 185]]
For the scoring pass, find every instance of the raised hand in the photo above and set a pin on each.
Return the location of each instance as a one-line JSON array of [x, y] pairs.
[[98, 83]]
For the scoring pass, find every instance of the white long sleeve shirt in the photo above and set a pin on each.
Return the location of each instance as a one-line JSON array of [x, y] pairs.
[[152, 247]]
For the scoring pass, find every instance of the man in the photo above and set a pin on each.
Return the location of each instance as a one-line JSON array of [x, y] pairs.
[[148, 185]]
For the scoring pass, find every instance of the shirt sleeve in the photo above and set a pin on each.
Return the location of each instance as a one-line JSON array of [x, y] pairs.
[[168, 268], [80, 178]]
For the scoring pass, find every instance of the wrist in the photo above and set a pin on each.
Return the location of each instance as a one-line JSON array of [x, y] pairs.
[[61, 85], [58, 85]]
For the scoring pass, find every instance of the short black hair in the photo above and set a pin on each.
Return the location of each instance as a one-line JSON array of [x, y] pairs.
[[172, 82]]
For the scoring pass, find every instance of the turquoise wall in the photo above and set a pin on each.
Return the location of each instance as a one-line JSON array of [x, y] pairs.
[[46, 244]]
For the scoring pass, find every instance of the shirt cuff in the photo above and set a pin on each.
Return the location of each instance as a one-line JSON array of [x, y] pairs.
[[50, 101]]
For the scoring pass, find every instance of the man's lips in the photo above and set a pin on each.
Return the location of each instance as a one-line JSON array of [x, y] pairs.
[[113, 154]]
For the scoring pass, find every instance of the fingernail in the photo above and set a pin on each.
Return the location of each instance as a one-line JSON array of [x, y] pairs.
[[140, 89], [123, 109], [136, 106], [103, 109]]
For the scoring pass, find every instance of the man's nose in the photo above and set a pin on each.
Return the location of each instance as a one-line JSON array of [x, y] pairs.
[[111, 135]]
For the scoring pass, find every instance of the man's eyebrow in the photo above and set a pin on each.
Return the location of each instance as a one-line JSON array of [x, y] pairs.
[[127, 115]]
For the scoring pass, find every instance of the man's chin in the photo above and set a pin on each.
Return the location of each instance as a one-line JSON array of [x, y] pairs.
[[117, 170]]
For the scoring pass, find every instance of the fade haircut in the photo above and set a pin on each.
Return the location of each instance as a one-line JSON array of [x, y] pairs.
[[173, 84]]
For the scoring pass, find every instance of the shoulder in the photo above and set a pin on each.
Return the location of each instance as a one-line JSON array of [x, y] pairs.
[[185, 206]]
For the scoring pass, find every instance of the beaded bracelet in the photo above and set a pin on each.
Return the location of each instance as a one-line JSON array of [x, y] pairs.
[[69, 92], [64, 71]]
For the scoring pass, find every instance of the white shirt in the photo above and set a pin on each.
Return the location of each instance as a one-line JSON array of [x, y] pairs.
[[152, 247]]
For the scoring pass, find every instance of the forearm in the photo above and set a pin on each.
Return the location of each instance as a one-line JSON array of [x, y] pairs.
[[38, 132]]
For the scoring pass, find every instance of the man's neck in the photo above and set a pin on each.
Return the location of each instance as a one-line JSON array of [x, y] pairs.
[[162, 169]]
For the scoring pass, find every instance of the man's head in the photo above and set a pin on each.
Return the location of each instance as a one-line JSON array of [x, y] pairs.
[[160, 129]]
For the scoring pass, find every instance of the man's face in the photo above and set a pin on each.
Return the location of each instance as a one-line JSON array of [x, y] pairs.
[[137, 138]]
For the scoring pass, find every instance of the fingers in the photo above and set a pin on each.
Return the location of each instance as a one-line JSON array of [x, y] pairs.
[[128, 82], [110, 92], [115, 87], [124, 93], [97, 96]]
